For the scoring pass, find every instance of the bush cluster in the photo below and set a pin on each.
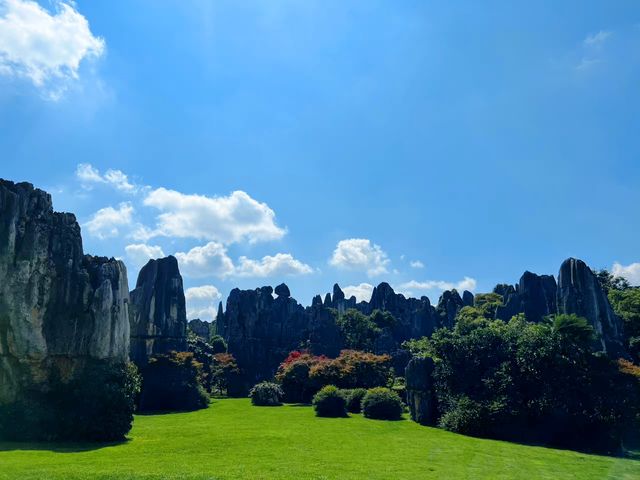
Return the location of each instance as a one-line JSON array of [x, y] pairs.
[[266, 394], [302, 374], [353, 397], [330, 402], [533, 382], [95, 404], [172, 382], [382, 404]]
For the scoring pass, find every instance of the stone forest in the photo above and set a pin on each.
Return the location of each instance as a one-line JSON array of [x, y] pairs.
[[550, 360]]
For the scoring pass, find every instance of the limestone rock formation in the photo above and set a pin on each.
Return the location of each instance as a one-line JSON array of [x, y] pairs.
[[467, 298], [579, 292], [58, 307], [448, 307], [260, 331], [200, 328], [282, 291], [421, 397], [158, 314]]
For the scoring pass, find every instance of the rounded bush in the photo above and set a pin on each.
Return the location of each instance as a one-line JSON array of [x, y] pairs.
[[382, 404], [329, 402], [266, 394], [354, 398]]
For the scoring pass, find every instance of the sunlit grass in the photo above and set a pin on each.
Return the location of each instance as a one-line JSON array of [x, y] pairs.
[[233, 439]]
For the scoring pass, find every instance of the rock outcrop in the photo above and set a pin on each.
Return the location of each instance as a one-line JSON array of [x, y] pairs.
[[421, 397], [580, 292], [449, 305], [200, 328], [577, 291], [58, 306], [158, 314], [260, 331]]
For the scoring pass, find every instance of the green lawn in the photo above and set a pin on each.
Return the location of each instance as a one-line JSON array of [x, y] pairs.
[[233, 439]]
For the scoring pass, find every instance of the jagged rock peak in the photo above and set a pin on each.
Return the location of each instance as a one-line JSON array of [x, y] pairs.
[[383, 297], [580, 292], [338, 294], [448, 307], [317, 301], [283, 291], [327, 300], [200, 328], [504, 289], [158, 314], [467, 298]]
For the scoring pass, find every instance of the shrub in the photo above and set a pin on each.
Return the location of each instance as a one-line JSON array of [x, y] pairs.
[[465, 416], [218, 344], [329, 402], [293, 376], [171, 382], [382, 404], [95, 404], [266, 394], [302, 374], [399, 386], [353, 398], [225, 375]]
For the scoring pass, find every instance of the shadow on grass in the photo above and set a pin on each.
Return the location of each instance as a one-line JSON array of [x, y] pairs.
[[58, 447]]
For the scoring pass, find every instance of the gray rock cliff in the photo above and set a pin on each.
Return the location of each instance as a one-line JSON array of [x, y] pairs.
[[58, 306], [158, 315]]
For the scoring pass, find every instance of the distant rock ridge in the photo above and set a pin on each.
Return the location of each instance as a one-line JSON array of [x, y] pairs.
[[58, 306], [260, 331], [158, 315], [200, 328]]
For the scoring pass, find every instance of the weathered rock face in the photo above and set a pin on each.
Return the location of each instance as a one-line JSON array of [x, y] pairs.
[[158, 315], [200, 328], [421, 397], [260, 331], [449, 305], [58, 307], [468, 298], [580, 292]]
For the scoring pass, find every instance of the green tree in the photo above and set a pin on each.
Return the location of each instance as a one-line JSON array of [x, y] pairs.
[[359, 331], [218, 344]]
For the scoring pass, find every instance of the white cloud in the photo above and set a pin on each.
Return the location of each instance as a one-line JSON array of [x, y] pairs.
[[208, 260], [89, 175], [362, 292], [141, 253], [361, 255], [106, 222], [592, 49], [212, 260], [47, 48], [596, 40], [226, 220], [631, 272], [416, 264], [408, 288], [281, 264], [201, 302]]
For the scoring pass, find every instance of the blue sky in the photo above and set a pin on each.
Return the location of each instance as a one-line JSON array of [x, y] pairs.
[[425, 144]]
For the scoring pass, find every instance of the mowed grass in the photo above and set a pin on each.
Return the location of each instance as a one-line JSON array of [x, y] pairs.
[[234, 440]]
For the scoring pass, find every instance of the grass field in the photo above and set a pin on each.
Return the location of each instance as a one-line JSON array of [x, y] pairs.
[[233, 439]]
